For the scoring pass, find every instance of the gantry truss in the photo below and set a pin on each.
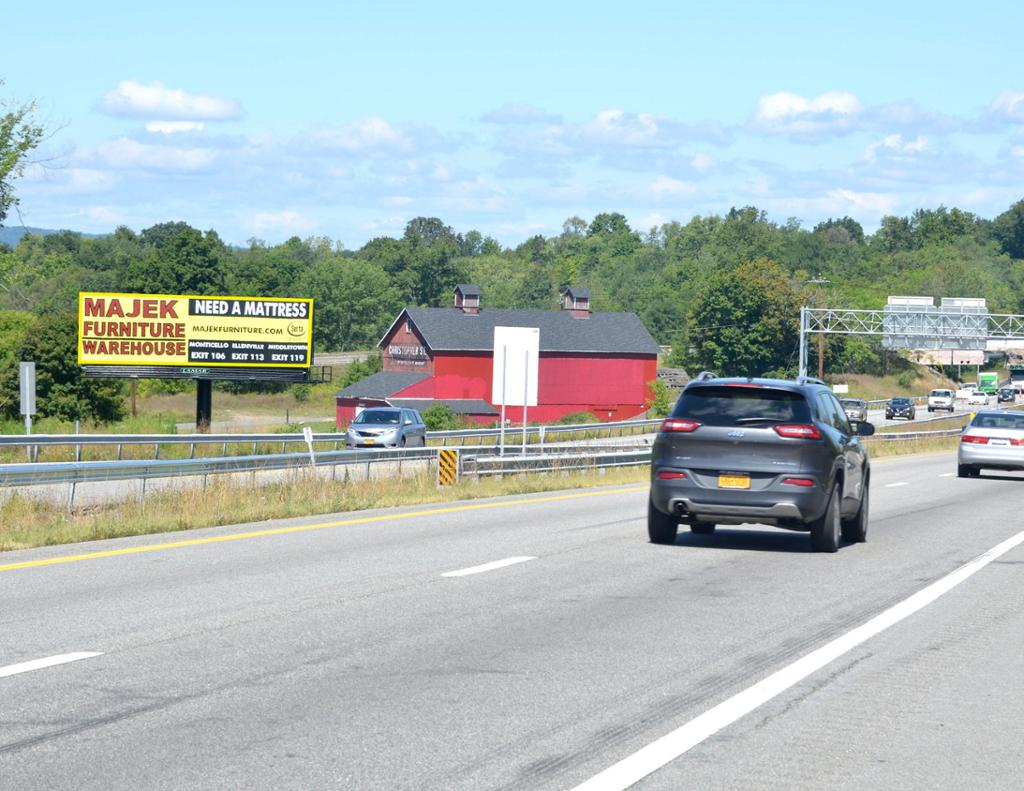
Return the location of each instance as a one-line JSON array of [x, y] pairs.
[[902, 328]]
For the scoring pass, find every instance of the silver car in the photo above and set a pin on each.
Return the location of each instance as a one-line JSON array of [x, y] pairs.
[[992, 440], [855, 408], [387, 427]]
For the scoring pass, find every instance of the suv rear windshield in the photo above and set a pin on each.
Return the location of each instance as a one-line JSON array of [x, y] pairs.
[[741, 405]]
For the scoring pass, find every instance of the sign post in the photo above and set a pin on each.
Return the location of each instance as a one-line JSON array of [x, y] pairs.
[[27, 380]]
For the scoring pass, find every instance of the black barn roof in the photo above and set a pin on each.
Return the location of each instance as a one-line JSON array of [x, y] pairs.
[[382, 384], [445, 329]]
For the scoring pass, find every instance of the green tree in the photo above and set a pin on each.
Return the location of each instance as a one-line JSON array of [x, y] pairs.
[[62, 389], [178, 260], [354, 303], [438, 417], [745, 322], [19, 136], [1008, 229]]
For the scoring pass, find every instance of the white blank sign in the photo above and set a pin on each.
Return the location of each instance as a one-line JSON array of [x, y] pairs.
[[516, 352]]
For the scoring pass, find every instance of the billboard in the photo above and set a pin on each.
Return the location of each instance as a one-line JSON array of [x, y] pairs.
[[173, 336], [515, 366]]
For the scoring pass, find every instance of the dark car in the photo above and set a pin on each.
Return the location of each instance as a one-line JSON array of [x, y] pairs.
[[768, 451], [900, 407], [388, 427], [1006, 395]]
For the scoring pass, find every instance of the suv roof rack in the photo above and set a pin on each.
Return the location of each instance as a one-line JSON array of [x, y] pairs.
[[703, 376], [809, 380]]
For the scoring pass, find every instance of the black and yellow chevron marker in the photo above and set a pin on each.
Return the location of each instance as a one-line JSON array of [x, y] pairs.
[[447, 467]]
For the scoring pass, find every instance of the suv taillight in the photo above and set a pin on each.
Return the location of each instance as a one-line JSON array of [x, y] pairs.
[[682, 425], [798, 431]]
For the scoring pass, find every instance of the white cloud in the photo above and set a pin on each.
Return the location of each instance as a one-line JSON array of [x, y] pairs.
[[1009, 105], [792, 114], [870, 202], [106, 215], [131, 154], [702, 163], [1017, 151], [620, 128], [174, 127], [364, 135], [136, 100], [645, 223], [666, 187], [894, 146], [281, 222], [396, 201]]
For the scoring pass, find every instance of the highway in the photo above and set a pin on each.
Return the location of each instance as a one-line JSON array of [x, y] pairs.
[[534, 642]]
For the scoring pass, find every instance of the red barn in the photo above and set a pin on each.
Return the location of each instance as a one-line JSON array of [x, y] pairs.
[[600, 363]]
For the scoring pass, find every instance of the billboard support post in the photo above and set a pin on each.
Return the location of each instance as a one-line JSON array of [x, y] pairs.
[[204, 405], [526, 393], [504, 388]]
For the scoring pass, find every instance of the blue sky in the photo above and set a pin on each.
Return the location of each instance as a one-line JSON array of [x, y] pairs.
[[346, 119]]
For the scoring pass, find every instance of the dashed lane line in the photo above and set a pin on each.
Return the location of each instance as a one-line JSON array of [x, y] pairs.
[[497, 564], [49, 661]]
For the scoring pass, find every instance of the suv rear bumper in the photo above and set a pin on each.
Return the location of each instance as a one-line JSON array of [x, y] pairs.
[[780, 504]]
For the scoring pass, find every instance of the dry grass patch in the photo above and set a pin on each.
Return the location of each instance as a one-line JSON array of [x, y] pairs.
[[26, 523]]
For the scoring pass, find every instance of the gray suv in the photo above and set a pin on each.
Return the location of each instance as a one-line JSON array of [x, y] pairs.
[[774, 452]]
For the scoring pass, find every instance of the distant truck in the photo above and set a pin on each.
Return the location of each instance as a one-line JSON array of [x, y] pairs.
[[988, 382], [1017, 378]]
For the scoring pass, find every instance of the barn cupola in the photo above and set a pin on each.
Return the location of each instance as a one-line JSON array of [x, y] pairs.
[[576, 301], [467, 298]]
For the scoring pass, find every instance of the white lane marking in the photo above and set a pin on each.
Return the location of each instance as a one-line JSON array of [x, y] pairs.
[[947, 475], [497, 564], [648, 759], [894, 485], [50, 661]]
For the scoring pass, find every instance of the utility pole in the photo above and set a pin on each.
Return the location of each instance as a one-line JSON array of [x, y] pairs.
[[819, 281]]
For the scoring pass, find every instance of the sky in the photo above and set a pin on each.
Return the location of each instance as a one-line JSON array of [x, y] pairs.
[[347, 119]]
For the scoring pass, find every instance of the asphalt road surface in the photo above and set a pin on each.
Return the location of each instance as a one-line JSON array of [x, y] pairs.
[[533, 642]]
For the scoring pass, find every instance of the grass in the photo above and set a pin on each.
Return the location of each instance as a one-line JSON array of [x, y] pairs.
[[26, 523], [880, 448], [877, 388]]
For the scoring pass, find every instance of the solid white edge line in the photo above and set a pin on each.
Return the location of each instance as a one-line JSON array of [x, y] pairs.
[[50, 661], [497, 564], [894, 485], [648, 759], [947, 474]]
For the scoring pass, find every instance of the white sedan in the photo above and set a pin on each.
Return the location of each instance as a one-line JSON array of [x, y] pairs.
[[979, 397]]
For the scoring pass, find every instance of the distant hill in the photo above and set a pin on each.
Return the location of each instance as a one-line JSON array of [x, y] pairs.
[[11, 235]]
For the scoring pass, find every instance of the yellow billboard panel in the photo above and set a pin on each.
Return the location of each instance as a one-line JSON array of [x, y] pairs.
[[159, 329]]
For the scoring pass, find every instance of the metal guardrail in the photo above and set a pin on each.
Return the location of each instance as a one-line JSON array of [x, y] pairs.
[[512, 434], [555, 462]]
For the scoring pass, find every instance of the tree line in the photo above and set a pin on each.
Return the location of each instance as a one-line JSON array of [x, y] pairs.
[[723, 291]]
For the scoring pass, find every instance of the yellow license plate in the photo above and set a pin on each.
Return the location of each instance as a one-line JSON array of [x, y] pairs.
[[367, 441], [733, 481]]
